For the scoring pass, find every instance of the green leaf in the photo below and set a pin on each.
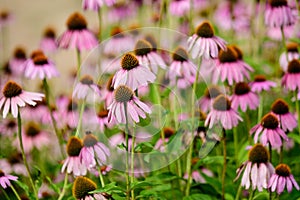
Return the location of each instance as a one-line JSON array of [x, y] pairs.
[[109, 188], [198, 197], [54, 187], [295, 137], [23, 186], [140, 184]]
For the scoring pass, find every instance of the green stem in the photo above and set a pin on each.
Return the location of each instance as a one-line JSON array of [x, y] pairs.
[[80, 118], [297, 109], [236, 145], [100, 25], [57, 133], [4, 192], [15, 192], [127, 156], [179, 171], [101, 177], [190, 150], [191, 16], [64, 188], [78, 62], [270, 152], [224, 164], [237, 197], [260, 108], [23, 154], [251, 194], [132, 164]]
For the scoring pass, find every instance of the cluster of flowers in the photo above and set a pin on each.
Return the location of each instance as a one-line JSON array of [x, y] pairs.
[[132, 75]]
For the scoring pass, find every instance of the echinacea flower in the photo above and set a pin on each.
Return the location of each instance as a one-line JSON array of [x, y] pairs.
[[83, 186], [243, 97], [118, 43], [289, 55], [48, 43], [229, 67], [257, 170], [279, 14], [281, 178], [8, 127], [160, 143], [34, 136], [147, 57], [93, 152], [95, 5], [181, 69], [108, 93], [222, 112], [73, 163], [287, 120], [6, 17], [14, 164], [132, 73], [197, 173], [101, 120], [66, 112], [207, 99], [179, 7], [16, 62], [39, 66], [291, 79], [204, 43], [124, 98], [270, 131], [14, 96], [85, 87], [5, 179], [260, 83], [77, 36]]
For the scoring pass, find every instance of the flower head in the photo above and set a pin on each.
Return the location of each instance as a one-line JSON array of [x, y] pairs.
[[48, 43], [14, 96], [81, 188], [279, 14], [243, 97], [210, 94], [179, 8], [147, 57], [133, 74], [95, 5], [73, 162], [39, 66], [5, 179], [204, 42], [77, 36], [93, 152], [222, 112], [291, 79], [85, 87], [119, 43], [287, 56], [260, 83], [270, 131], [16, 62], [124, 98], [257, 169], [281, 178], [287, 120]]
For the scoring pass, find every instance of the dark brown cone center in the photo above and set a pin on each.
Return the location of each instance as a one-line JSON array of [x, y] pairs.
[[168, 131], [74, 146], [49, 33], [241, 88], [222, 103], [20, 53], [205, 30], [278, 3], [72, 106], [212, 92], [87, 80], [180, 55], [36, 53], [228, 55], [260, 78], [32, 129], [258, 154], [40, 60], [103, 113], [82, 186], [238, 52], [109, 85], [76, 22], [117, 32], [123, 94], [292, 47], [11, 124], [142, 48], [270, 121], [283, 170], [294, 66], [1, 173], [89, 140], [11, 89], [129, 61], [280, 107], [152, 41]]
